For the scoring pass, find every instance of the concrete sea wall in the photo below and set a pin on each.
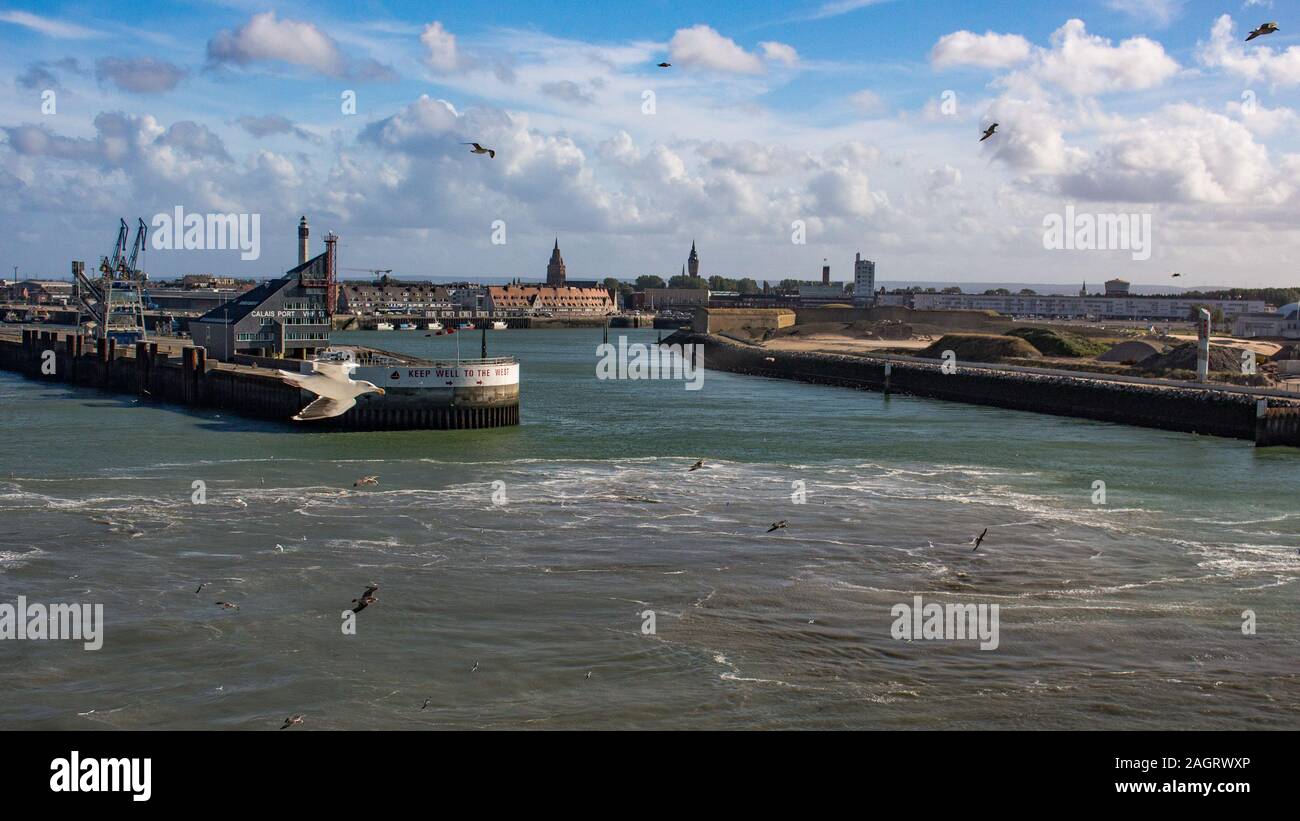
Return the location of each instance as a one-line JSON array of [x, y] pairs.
[[188, 378], [1191, 410]]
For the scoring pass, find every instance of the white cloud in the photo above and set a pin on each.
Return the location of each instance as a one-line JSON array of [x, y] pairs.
[[264, 37], [48, 27], [1262, 121], [988, 50], [837, 7], [866, 101], [144, 75], [272, 124], [1157, 12], [1181, 154], [780, 53], [703, 47], [441, 45], [944, 176], [1085, 64], [1249, 61], [1030, 137]]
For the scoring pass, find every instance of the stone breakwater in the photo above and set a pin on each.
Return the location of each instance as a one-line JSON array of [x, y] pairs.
[[1191, 410]]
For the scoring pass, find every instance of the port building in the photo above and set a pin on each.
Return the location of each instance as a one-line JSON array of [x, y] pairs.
[[285, 317]]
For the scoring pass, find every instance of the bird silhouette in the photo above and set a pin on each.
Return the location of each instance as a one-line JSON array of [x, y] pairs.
[[226, 605], [366, 480], [665, 65], [1267, 28], [989, 132], [478, 149], [781, 525], [292, 720], [979, 540], [699, 463], [367, 598]]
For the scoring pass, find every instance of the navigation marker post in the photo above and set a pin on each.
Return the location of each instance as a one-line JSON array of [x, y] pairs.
[[1203, 346]]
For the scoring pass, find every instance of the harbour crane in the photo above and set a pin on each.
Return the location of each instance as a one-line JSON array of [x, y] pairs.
[[141, 232], [115, 300]]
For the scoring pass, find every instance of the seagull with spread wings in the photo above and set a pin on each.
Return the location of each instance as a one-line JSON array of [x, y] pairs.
[[1267, 28], [334, 387], [478, 149], [367, 598]]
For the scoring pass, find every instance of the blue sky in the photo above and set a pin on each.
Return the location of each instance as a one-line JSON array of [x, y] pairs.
[[826, 120]]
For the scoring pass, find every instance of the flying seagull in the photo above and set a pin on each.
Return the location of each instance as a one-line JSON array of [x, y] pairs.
[[334, 387], [426, 704], [366, 480], [1267, 28], [474, 669], [367, 598], [988, 132], [201, 586], [226, 605], [1175, 275], [781, 525], [292, 720], [665, 65], [699, 463], [478, 149], [978, 540]]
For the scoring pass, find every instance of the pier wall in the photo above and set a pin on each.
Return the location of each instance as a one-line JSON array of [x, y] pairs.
[[188, 378], [1189, 410]]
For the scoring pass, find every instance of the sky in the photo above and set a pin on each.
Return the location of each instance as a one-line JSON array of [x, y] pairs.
[[782, 135]]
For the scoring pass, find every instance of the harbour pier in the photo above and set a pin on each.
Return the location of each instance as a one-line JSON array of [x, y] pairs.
[[1266, 417], [468, 394]]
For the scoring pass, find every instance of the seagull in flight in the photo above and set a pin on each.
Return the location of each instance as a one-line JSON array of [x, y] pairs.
[[781, 525], [474, 669], [426, 704], [366, 480], [367, 598], [201, 586], [478, 149], [1267, 28], [699, 463], [979, 540], [989, 132], [226, 605], [665, 65], [1175, 275], [292, 720], [336, 391]]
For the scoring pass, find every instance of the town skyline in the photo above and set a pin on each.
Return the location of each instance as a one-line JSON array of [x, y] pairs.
[[850, 126]]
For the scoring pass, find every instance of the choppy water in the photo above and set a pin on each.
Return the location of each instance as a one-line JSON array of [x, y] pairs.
[[1126, 615]]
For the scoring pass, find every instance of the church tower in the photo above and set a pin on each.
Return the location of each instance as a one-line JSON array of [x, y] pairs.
[[693, 261], [555, 268]]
